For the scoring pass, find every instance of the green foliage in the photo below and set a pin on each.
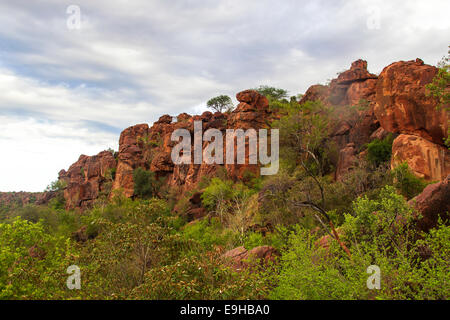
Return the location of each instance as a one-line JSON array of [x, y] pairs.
[[209, 233], [272, 93], [408, 184], [145, 183], [302, 136], [380, 232], [379, 151], [126, 249], [216, 193], [32, 263], [439, 88], [220, 103], [203, 277], [57, 185]]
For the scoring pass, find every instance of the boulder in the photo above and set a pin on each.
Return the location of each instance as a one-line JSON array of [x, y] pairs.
[[86, 179], [432, 203], [357, 73], [426, 159], [131, 156], [347, 159], [402, 105], [240, 257]]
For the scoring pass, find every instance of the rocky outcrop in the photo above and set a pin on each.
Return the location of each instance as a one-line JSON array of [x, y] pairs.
[[150, 148], [352, 98], [432, 203], [87, 178], [131, 150], [402, 105], [395, 102], [347, 160], [240, 258], [357, 73], [365, 107], [20, 199], [425, 158]]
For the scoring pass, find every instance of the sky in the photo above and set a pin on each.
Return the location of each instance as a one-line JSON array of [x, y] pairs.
[[73, 75]]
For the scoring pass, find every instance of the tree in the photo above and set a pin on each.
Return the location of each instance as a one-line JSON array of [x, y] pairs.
[[220, 103], [271, 92], [145, 183], [379, 151], [302, 134], [438, 88]]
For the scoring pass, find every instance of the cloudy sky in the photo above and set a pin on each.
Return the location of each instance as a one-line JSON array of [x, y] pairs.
[[69, 86]]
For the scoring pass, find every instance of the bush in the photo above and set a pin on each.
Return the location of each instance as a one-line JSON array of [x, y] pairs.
[[375, 236], [379, 151], [220, 104], [209, 233], [203, 277], [33, 263], [145, 183], [406, 182]]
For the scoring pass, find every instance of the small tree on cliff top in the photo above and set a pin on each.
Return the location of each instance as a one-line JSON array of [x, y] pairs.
[[271, 92], [220, 103]]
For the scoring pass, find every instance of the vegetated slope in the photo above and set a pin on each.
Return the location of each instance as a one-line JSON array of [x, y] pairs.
[[363, 181]]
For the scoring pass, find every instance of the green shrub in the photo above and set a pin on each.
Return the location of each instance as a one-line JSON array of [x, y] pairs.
[[33, 263], [379, 151], [218, 191], [380, 232], [145, 183], [408, 184], [209, 233]]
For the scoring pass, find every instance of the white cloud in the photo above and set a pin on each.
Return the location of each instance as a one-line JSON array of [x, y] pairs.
[[66, 90]]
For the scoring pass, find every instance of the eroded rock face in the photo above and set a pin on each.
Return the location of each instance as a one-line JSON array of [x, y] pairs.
[[425, 158], [402, 105], [239, 258], [432, 203], [86, 179], [151, 148], [347, 160], [352, 97], [131, 156], [393, 102], [357, 73], [24, 198]]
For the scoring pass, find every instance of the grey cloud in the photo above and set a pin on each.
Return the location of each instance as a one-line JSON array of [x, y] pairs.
[[134, 61]]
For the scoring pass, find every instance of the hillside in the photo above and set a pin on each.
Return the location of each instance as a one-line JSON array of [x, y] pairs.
[[363, 181]]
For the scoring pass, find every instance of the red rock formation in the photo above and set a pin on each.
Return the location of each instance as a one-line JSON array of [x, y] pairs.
[[130, 157], [357, 73], [23, 198], [240, 257], [347, 160], [426, 159], [316, 92], [432, 203], [394, 102], [402, 105], [86, 179], [354, 87], [151, 148]]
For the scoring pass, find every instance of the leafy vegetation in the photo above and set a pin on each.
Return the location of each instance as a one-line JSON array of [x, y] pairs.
[[220, 104], [379, 151], [327, 232], [438, 88]]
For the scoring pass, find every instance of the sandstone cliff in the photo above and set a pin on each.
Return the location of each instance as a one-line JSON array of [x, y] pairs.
[[395, 101]]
